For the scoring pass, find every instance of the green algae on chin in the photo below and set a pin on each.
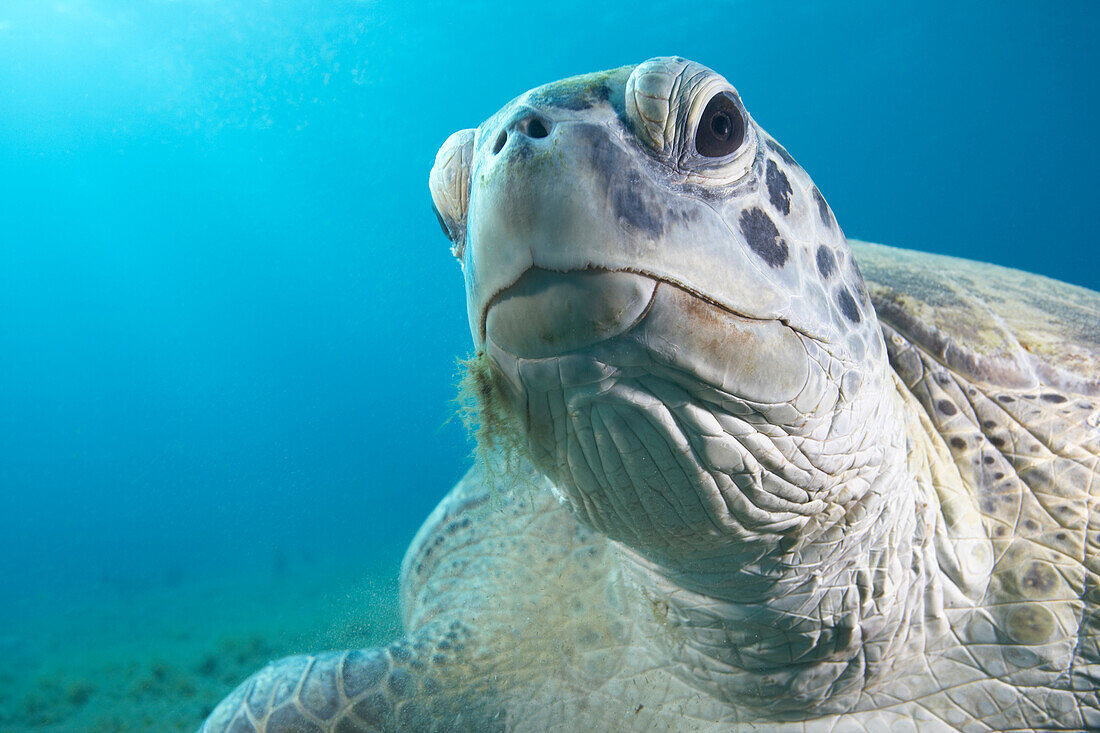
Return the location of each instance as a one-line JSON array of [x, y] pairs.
[[500, 451]]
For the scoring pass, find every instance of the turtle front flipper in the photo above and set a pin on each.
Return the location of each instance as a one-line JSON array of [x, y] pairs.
[[391, 688], [501, 589]]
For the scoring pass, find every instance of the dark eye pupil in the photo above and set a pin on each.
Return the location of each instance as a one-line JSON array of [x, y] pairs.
[[721, 127]]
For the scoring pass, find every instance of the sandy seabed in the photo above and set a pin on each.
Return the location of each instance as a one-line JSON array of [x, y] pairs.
[[159, 657]]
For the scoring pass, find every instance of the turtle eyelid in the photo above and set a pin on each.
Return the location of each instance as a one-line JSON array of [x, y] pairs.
[[649, 93], [458, 244], [692, 120], [449, 183], [442, 222]]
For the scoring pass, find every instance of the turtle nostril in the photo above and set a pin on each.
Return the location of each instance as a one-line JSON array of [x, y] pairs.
[[537, 129], [530, 126]]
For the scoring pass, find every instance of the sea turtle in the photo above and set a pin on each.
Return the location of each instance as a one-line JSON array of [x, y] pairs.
[[746, 487]]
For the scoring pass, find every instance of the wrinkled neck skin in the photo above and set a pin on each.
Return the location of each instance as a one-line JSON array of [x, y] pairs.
[[780, 552]]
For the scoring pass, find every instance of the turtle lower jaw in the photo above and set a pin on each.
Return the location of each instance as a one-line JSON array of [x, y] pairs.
[[549, 313]]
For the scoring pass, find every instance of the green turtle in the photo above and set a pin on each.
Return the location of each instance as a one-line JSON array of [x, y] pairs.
[[750, 488]]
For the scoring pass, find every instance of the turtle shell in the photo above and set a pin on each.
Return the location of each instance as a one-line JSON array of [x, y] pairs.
[[1005, 367]]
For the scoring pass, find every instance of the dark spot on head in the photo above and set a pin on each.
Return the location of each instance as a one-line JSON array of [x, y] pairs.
[[857, 279], [958, 443], [574, 96], [823, 209], [848, 306], [629, 194], [946, 407], [826, 263], [603, 155], [763, 237], [633, 207], [1055, 398], [781, 152], [779, 188]]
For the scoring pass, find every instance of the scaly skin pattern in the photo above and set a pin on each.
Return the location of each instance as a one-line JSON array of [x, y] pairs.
[[756, 490]]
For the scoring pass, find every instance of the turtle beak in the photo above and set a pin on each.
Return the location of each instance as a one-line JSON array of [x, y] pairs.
[[449, 183]]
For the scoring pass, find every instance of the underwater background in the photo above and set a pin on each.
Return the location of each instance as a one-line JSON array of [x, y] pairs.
[[229, 322]]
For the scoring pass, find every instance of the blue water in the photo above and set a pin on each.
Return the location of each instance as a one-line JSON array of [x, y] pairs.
[[228, 320]]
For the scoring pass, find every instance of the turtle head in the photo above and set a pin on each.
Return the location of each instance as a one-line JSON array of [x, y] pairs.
[[662, 291]]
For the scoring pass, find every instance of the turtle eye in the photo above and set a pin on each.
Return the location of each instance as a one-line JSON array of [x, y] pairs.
[[721, 128]]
